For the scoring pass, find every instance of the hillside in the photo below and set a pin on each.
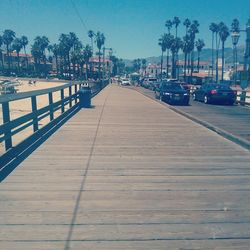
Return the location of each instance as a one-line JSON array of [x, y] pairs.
[[205, 55]]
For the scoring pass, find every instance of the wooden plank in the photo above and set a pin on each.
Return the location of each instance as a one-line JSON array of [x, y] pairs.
[[128, 175]]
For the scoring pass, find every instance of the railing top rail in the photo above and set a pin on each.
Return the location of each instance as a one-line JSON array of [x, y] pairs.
[[19, 96]]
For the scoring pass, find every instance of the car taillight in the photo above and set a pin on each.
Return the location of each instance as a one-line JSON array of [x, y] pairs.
[[213, 91]]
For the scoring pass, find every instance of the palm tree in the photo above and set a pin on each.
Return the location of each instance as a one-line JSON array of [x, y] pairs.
[[186, 48], [199, 46], [55, 50], [1, 53], [91, 35], [224, 34], [64, 51], [87, 53], [213, 28], [187, 24], [8, 37], [176, 23], [100, 40], [43, 43], [25, 42], [169, 24], [162, 43], [193, 30], [175, 47], [169, 39], [17, 46]]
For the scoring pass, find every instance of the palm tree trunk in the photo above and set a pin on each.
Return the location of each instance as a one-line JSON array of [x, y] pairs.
[[27, 63], [161, 62], [217, 57], [173, 66], [198, 63], [213, 55], [222, 68], [8, 55], [56, 65], [192, 64], [185, 66], [18, 62], [167, 61], [99, 65]]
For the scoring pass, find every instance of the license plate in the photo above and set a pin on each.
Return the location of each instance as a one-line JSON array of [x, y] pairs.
[[177, 97], [224, 93]]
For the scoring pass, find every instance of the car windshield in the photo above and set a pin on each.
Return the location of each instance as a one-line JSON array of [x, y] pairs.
[[171, 87]]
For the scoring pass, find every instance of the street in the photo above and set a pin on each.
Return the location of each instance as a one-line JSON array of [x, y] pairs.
[[234, 120]]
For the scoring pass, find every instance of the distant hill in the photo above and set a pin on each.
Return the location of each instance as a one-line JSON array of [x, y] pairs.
[[205, 55]]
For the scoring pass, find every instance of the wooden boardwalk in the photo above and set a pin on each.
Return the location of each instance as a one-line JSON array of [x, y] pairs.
[[128, 174]]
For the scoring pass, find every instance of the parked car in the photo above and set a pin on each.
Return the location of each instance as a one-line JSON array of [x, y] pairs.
[[172, 93], [215, 93]]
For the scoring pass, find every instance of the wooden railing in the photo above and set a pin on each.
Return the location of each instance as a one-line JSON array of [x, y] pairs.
[[66, 106]]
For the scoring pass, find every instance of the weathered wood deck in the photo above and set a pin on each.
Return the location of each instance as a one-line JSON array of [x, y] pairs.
[[128, 174]]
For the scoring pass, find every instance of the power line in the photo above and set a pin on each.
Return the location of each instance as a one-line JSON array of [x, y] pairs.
[[78, 14]]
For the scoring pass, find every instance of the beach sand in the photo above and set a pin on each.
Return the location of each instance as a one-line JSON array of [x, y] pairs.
[[22, 107]]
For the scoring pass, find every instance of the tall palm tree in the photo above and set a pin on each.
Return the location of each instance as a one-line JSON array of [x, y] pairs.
[[87, 53], [193, 30], [224, 34], [25, 42], [187, 24], [169, 39], [100, 40], [175, 47], [199, 46], [43, 43], [186, 48], [1, 53], [17, 46], [55, 50], [217, 45], [64, 48], [162, 43], [176, 21], [91, 35], [213, 28], [169, 25], [8, 38]]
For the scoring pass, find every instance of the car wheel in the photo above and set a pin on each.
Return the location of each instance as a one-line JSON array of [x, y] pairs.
[[206, 100], [194, 97]]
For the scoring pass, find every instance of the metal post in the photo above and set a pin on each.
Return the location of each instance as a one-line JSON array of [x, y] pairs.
[[34, 111], [6, 119], [51, 112], [62, 99]]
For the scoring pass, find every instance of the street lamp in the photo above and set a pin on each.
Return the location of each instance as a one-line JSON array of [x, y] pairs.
[[235, 38]]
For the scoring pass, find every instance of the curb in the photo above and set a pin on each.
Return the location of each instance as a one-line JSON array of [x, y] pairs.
[[240, 141]]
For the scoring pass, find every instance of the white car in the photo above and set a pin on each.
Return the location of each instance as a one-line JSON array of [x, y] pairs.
[[125, 82]]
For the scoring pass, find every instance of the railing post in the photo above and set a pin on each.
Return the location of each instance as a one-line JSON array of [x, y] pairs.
[[34, 111], [6, 119], [75, 93], [62, 99], [70, 98], [51, 110]]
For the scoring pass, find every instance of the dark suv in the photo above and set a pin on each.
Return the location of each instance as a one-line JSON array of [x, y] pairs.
[[215, 92], [172, 93]]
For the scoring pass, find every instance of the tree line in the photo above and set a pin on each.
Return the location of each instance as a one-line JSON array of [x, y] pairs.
[[72, 58], [171, 43]]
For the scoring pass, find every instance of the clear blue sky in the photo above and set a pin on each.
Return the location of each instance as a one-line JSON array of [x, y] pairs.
[[131, 27]]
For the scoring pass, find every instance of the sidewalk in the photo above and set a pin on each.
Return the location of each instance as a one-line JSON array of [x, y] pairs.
[[128, 174]]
